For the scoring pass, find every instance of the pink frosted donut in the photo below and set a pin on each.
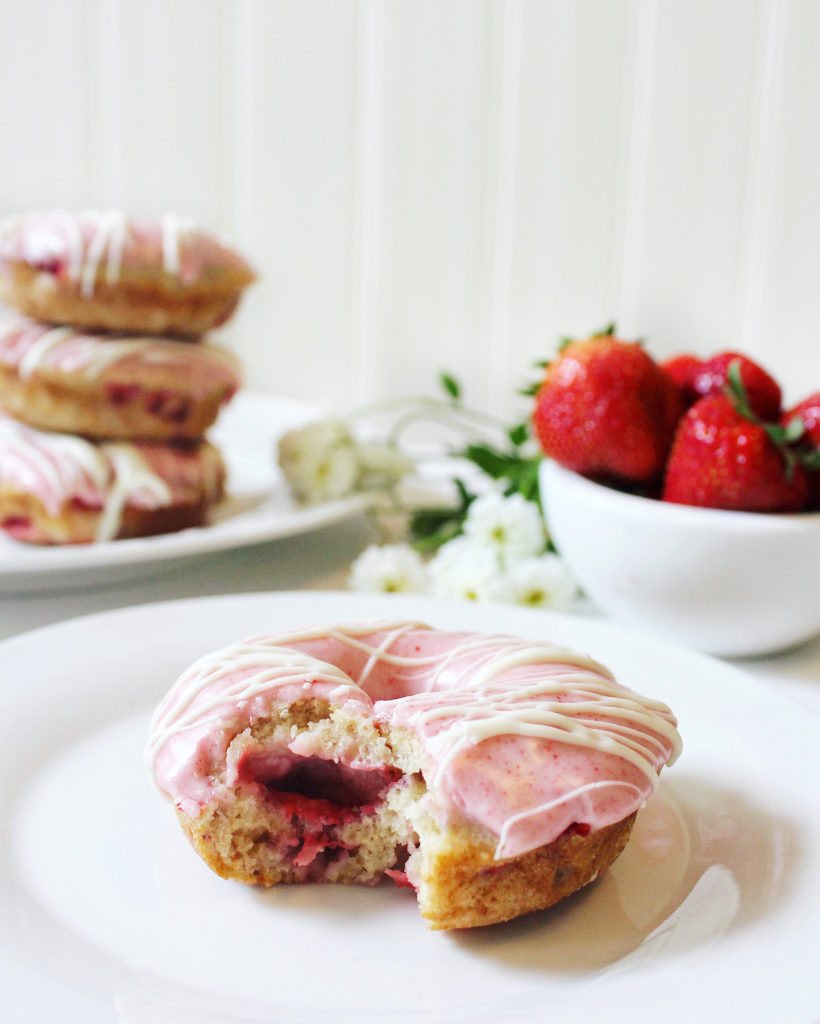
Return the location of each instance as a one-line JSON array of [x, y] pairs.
[[107, 386], [103, 270], [494, 775], [61, 489]]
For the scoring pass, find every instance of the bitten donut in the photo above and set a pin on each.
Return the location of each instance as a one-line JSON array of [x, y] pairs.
[[105, 386], [61, 489], [493, 775], [105, 271]]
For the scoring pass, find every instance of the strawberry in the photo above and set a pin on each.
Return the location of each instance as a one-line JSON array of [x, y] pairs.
[[683, 369], [722, 458], [606, 409], [762, 390], [806, 435], [809, 412]]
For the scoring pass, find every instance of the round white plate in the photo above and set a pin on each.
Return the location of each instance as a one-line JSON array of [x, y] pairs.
[[258, 508], [108, 915]]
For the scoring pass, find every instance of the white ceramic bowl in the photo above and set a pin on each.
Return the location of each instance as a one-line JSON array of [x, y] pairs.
[[727, 583]]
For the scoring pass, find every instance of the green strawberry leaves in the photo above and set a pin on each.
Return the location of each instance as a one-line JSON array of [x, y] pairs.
[[786, 437]]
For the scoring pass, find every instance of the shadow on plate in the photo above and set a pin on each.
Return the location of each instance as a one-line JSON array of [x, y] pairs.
[[702, 862]]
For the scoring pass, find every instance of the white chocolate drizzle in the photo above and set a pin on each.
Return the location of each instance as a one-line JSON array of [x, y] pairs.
[[59, 467], [72, 351], [54, 465], [455, 691], [258, 668], [93, 242], [131, 477], [174, 229], [111, 228], [37, 354]]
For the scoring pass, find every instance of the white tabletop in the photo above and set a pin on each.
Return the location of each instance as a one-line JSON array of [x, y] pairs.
[[317, 560]]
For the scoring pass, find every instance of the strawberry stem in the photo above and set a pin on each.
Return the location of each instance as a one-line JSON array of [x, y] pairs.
[[791, 439]]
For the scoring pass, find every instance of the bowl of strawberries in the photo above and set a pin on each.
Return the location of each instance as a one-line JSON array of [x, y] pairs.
[[684, 497]]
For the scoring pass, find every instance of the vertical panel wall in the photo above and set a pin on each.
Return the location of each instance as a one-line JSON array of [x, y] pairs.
[[431, 184]]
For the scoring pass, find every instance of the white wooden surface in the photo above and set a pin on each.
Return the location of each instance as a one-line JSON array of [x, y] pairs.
[[430, 184]]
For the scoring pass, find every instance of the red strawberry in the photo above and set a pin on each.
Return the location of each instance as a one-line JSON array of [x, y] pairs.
[[722, 459], [808, 441], [605, 408], [762, 390], [683, 370], [809, 412]]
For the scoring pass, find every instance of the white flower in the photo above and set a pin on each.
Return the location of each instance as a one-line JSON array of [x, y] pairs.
[[463, 569], [543, 582], [319, 461], [389, 568], [380, 467], [511, 526]]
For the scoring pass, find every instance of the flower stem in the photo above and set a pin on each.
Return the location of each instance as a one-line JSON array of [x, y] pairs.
[[430, 409]]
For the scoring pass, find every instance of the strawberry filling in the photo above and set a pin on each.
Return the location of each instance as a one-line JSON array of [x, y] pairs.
[[167, 404], [20, 528], [400, 878], [319, 797], [51, 265], [121, 394], [89, 503]]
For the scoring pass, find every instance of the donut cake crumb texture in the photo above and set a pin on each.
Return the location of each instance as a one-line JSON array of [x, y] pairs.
[[492, 775], [107, 385]]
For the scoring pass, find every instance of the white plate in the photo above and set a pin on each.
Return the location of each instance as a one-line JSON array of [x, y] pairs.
[[258, 508], [108, 915]]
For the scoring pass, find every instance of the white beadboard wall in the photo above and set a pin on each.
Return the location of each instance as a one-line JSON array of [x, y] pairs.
[[447, 184]]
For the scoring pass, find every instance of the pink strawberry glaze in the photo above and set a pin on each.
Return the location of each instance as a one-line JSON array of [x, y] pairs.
[[524, 739], [79, 246], [124, 364], [61, 468], [55, 468]]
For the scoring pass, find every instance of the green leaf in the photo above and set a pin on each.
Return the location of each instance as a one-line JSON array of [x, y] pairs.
[[489, 460], [431, 527], [776, 433], [794, 429], [736, 391], [519, 433], [466, 497], [811, 460], [450, 385], [430, 540], [530, 390]]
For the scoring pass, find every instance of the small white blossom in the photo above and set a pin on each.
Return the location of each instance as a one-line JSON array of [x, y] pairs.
[[543, 582], [319, 461], [380, 467], [463, 569], [510, 526], [389, 568]]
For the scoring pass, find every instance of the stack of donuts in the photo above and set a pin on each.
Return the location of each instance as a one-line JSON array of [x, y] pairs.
[[107, 382]]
